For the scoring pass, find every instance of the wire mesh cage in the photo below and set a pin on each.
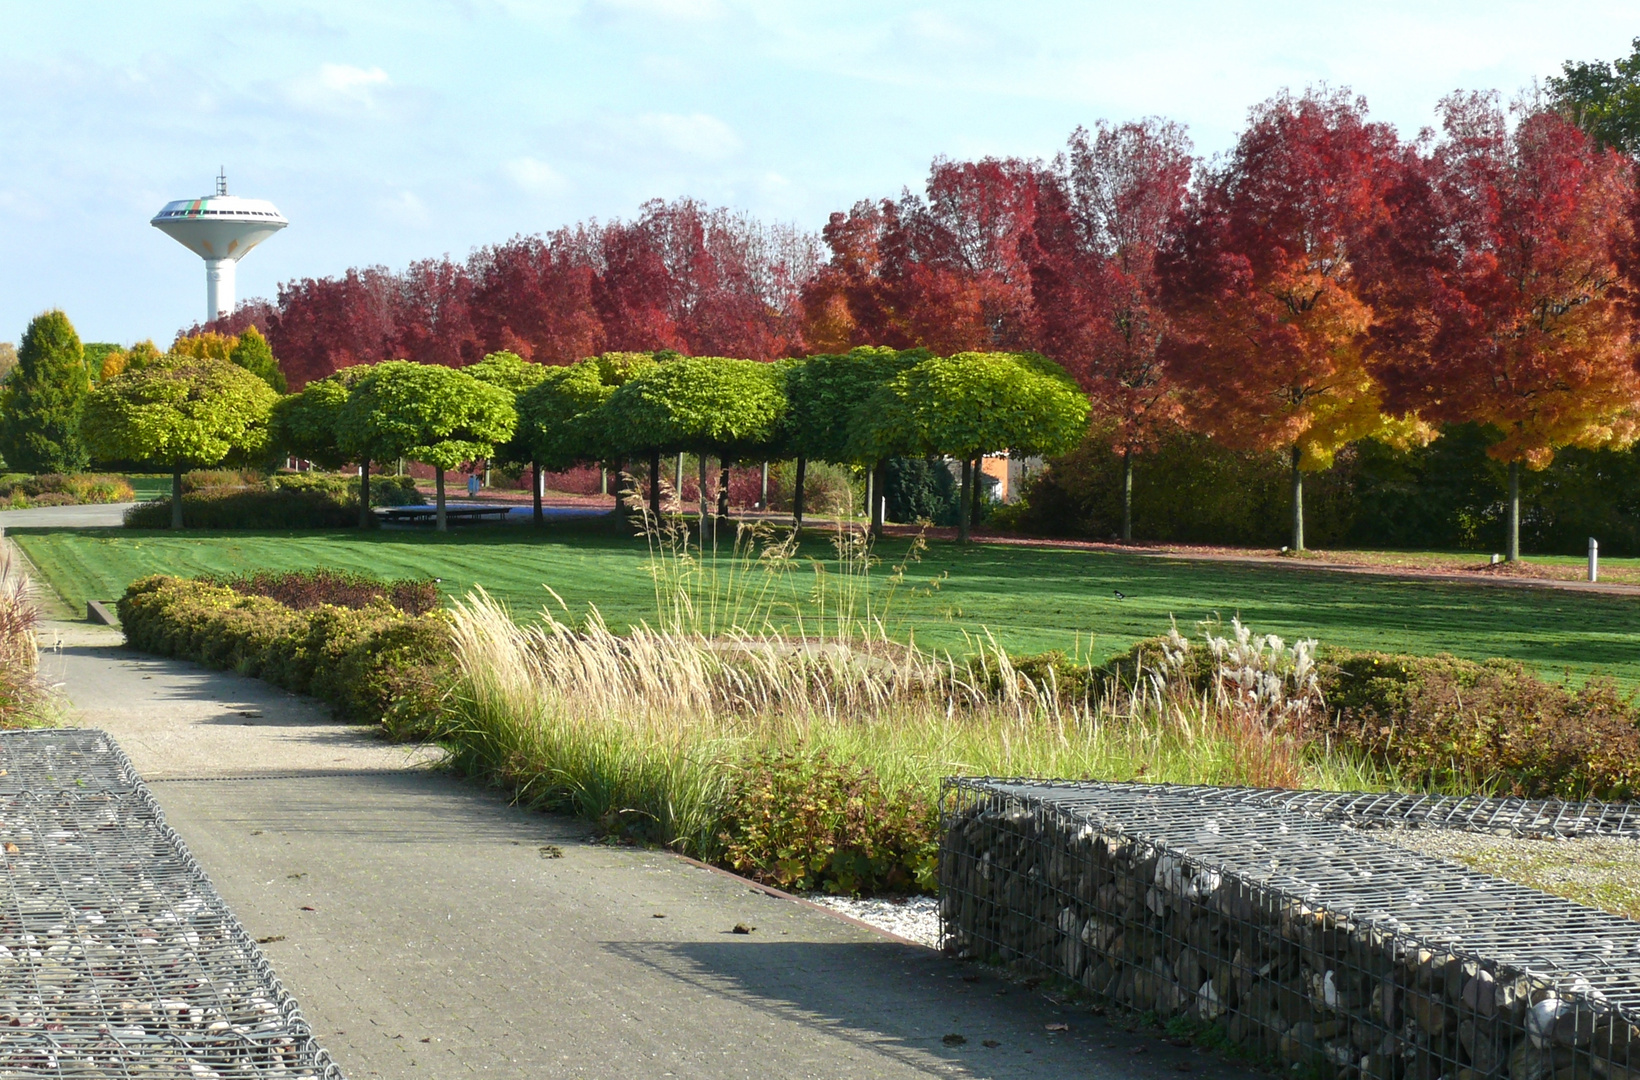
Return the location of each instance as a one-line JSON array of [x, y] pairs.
[[118, 958], [1302, 939]]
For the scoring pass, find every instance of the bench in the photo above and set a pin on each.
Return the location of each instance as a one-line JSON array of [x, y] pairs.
[[453, 515]]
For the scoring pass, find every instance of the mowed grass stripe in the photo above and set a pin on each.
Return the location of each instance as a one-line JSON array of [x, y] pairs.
[[1030, 599]]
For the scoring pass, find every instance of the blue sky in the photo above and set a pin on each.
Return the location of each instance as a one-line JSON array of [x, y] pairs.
[[388, 131]]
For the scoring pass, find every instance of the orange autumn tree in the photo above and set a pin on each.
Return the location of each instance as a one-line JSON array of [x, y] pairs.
[[1501, 300], [1267, 321]]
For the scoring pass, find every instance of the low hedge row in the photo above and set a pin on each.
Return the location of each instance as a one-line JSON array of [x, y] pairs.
[[1437, 721], [19, 491], [374, 664], [229, 500]]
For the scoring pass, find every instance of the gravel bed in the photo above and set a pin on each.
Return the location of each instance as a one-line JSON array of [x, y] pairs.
[[916, 918], [1601, 872]]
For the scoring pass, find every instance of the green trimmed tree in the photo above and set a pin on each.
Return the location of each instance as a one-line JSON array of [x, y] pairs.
[[43, 396], [515, 375], [556, 418], [181, 412], [253, 353], [972, 404], [827, 394], [701, 405], [427, 413], [306, 425]]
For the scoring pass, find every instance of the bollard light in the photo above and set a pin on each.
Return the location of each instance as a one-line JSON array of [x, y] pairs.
[[1594, 559]]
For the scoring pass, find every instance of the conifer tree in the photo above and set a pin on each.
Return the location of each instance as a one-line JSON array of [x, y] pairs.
[[40, 406]]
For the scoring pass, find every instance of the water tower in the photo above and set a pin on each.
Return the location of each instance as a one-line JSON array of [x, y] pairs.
[[220, 229]]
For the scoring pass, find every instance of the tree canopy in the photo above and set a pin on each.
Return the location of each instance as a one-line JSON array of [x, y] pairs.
[[826, 394], [307, 424], [41, 402], [704, 405], [424, 412], [1602, 98], [556, 417]]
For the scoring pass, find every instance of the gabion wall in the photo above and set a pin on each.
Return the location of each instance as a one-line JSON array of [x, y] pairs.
[[1303, 939], [117, 956]]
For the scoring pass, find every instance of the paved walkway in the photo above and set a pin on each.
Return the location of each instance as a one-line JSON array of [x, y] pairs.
[[430, 930]]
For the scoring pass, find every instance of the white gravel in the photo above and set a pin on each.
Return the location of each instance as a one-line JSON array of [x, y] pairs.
[[916, 918]]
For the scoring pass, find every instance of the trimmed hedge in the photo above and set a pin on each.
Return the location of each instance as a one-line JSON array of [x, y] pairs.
[[282, 501], [373, 664]]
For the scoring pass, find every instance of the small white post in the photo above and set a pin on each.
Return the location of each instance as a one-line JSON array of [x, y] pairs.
[[1594, 559]]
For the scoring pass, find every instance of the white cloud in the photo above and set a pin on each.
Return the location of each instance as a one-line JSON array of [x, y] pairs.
[[674, 10], [535, 176], [406, 208], [337, 87], [698, 134]]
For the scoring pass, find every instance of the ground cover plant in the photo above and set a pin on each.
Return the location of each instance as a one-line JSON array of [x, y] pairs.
[[1031, 600], [19, 491]]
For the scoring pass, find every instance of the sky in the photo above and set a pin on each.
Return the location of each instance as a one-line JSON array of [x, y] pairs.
[[391, 131]]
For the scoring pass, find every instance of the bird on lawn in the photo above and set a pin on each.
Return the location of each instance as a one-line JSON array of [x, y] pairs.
[[1120, 595]]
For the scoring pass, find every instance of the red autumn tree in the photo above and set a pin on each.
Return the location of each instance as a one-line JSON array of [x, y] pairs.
[[533, 296], [1100, 225], [702, 282], [1503, 300], [951, 273], [326, 324], [1268, 323]]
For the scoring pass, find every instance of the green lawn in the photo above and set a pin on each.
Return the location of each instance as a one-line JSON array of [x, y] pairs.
[[150, 485], [1030, 599]]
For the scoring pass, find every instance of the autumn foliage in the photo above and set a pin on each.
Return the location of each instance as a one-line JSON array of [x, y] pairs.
[[1324, 282]]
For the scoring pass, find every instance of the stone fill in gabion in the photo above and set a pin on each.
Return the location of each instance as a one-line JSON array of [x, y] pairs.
[[1537, 818], [117, 956], [1302, 938]]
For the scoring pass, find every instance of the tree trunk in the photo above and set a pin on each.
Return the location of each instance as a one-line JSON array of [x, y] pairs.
[[797, 492], [704, 516], [871, 497], [438, 478], [1127, 495], [965, 500], [536, 482], [723, 491], [974, 506], [364, 494], [176, 496], [1512, 540], [655, 485], [1298, 503], [677, 483], [880, 475]]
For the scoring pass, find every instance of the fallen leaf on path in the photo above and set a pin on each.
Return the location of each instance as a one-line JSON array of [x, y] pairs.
[[954, 1039], [551, 851], [658, 915], [306, 908], [12, 849], [991, 1043], [1057, 1027], [742, 928], [271, 940]]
